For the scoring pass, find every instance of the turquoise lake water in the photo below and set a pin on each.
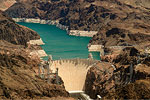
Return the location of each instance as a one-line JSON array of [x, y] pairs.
[[59, 44]]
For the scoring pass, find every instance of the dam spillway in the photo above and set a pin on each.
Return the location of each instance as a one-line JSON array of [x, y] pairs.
[[73, 72]]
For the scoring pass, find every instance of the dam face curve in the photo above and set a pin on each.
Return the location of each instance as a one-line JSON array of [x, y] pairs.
[[73, 72]]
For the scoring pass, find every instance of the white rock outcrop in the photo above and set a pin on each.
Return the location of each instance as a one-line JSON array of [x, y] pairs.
[[39, 53], [36, 42], [82, 33], [49, 22], [96, 48], [147, 50]]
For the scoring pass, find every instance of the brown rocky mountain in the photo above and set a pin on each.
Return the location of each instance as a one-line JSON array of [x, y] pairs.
[[126, 77], [139, 89], [14, 33], [18, 77], [99, 80]]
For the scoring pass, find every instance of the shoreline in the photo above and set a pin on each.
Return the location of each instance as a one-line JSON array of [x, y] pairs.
[[41, 21], [40, 53], [57, 24], [96, 48], [82, 33], [36, 42]]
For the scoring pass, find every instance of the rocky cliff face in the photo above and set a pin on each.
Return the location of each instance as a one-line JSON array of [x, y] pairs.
[[18, 79], [110, 84], [139, 89], [99, 80], [120, 37], [14, 33], [120, 77]]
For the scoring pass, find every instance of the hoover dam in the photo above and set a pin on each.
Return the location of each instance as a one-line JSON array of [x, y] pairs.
[[65, 49], [73, 72]]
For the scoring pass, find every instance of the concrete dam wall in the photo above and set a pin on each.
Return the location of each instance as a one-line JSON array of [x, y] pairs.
[[73, 72]]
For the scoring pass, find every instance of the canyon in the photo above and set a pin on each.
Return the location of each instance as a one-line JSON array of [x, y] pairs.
[[120, 29]]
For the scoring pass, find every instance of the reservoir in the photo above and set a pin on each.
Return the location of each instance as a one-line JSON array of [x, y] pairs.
[[59, 44]]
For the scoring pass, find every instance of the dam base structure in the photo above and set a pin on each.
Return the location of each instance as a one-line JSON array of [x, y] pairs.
[[73, 72]]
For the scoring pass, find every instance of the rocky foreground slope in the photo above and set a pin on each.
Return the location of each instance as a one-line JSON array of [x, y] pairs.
[[18, 79], [127, 76]]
